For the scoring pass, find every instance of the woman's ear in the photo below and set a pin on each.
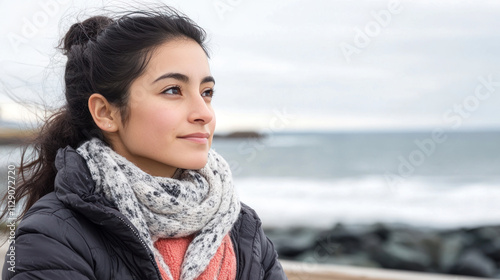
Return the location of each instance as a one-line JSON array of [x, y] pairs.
[[103, 113]]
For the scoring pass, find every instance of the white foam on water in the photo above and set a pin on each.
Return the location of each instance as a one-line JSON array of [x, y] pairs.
[[285, 202]]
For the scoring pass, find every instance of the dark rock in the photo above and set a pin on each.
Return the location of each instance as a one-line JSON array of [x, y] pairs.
[[451, 248], [289, 243], [488, 241], [465, 251], [492, 250], [487, 234], [407, 249], [339, 241], [396, 256], [381, 231], [473, 263]]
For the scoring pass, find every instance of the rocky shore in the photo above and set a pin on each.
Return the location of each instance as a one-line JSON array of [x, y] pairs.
[[465, 251], [240, 135]]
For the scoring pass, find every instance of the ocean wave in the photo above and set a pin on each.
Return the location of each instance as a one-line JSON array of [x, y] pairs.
[[286, 202]]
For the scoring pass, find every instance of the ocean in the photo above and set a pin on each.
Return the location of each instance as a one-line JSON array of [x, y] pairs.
[[422, 179], [417, 178]]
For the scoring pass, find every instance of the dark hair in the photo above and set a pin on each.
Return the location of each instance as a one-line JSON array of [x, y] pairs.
[[104, 55]]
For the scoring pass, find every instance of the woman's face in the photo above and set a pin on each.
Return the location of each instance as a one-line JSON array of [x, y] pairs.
[[171, 121]]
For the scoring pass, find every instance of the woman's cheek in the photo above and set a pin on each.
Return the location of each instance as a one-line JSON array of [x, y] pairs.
[[166, 121]]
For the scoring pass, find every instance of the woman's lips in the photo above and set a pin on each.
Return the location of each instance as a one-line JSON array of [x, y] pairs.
[[200, 138]]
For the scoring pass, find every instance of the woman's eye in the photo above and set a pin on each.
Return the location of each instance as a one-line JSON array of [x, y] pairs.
[[172, 91], [208, 93]]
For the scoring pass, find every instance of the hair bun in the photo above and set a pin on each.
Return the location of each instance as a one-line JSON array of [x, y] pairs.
[[82, 32]]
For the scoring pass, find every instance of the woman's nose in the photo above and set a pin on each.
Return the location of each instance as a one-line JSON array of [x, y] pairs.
[[200, 110]]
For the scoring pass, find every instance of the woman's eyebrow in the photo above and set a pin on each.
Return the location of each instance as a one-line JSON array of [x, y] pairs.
[[177, 76], [208, 79], [183, 78]]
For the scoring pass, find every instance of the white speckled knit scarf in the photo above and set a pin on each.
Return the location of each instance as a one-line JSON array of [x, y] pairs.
[[201, 202]]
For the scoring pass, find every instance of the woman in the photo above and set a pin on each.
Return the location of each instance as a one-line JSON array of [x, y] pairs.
[[124, 184]]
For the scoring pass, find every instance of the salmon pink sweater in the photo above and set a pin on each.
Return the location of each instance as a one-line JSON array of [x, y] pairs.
[[221, 266]]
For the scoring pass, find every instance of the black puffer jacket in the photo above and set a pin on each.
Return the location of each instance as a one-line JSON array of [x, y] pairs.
[[75, 234]]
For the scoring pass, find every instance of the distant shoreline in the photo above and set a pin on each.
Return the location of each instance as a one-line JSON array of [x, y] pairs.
[[12, 136], [239, 134]]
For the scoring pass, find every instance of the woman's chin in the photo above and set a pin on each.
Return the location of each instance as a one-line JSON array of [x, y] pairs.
[[195, 164]]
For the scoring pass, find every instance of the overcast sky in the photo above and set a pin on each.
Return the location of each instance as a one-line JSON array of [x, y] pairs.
[[286, 64]]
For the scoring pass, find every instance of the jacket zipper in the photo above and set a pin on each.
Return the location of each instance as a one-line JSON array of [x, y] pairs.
[[143, 244]]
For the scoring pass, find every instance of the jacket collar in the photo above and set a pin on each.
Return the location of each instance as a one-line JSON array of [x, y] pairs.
[[74, 185], [75, 188]]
